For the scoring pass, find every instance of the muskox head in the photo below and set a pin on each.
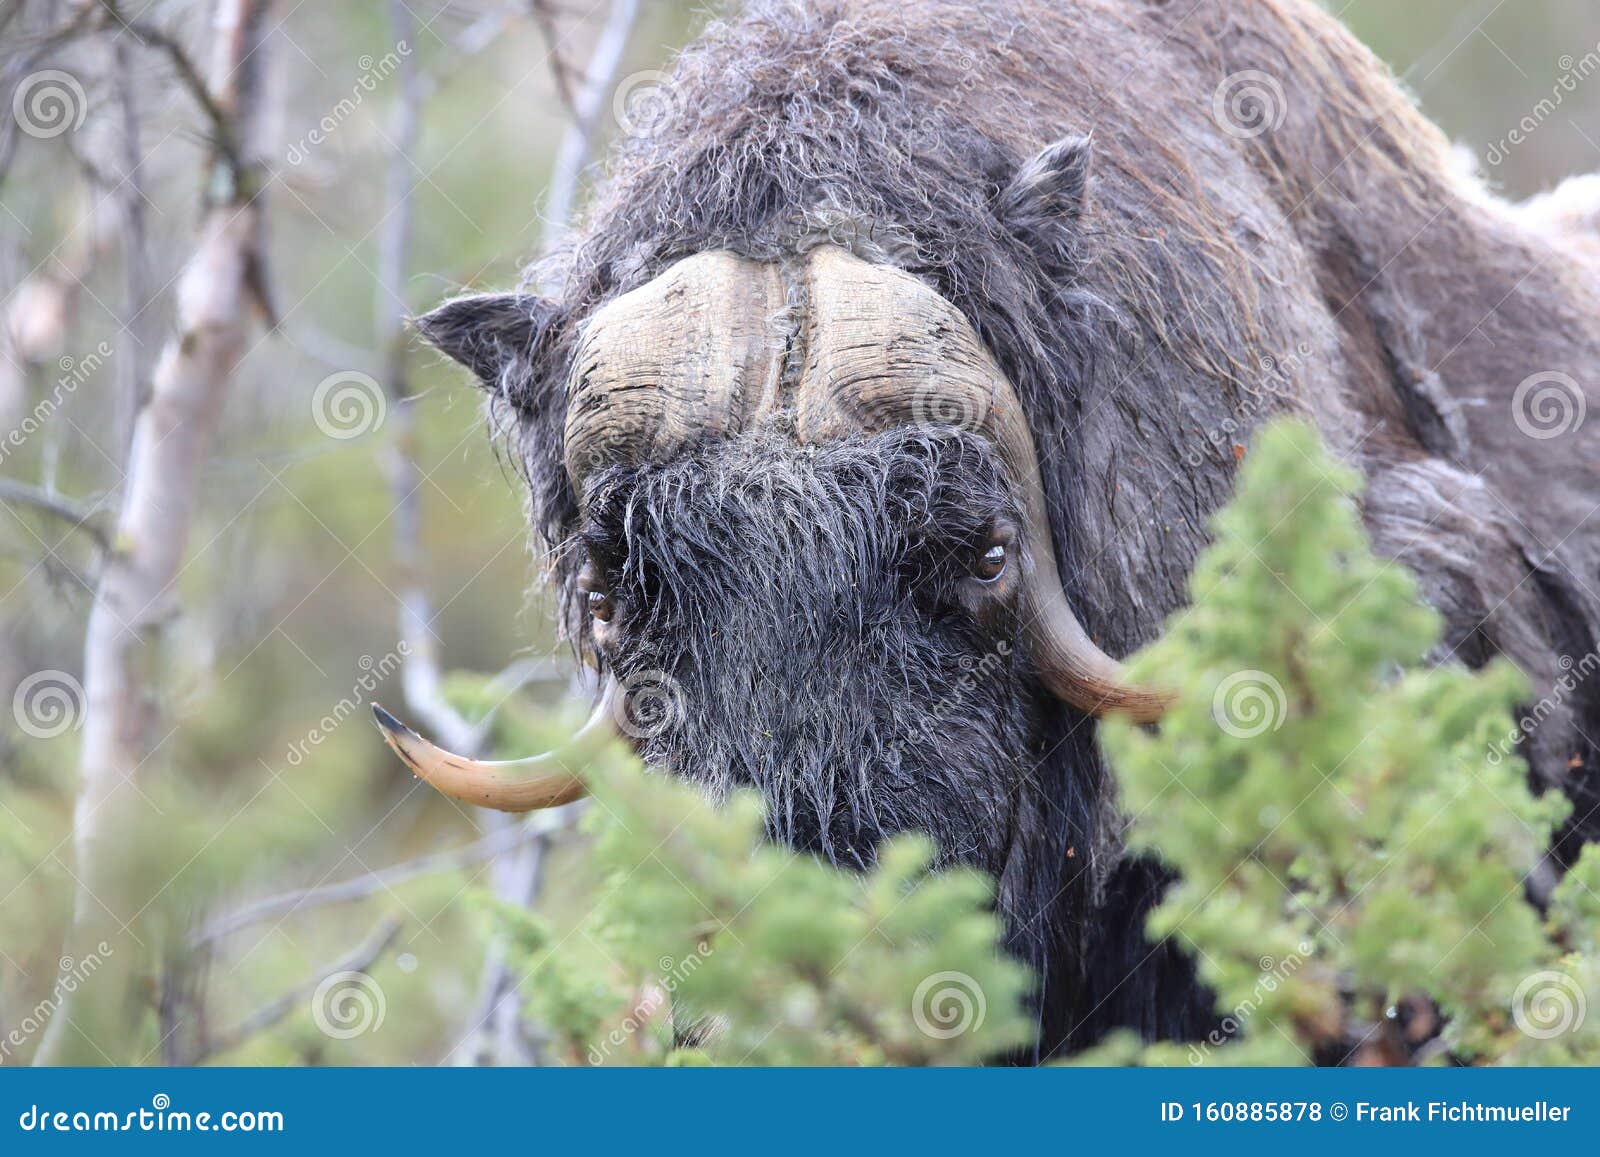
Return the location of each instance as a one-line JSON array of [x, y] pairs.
[[816, 555]]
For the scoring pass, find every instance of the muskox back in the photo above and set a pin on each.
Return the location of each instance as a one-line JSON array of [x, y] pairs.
[[1169, 223]]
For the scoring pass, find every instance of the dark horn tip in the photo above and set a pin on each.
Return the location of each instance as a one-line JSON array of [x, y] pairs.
[[386, 721]]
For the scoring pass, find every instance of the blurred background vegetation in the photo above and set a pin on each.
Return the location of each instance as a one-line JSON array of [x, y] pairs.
[[267, 776]]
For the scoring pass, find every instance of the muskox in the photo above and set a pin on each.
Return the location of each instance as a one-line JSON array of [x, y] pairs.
[[901, 359]]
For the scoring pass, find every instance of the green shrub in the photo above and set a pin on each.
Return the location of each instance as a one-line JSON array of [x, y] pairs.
[[707, 944], [1351, 829], [1352, 832]]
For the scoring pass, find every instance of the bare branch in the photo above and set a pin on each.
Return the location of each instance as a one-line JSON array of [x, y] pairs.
[[421, 676], [577, 142], [172, 437], [41, 310], [32, 51], [224, 138], [483, 31], [88, 519], [545, 17], [361, 958], [498, 1026], [136, 297], [515, 879], [368, 884]]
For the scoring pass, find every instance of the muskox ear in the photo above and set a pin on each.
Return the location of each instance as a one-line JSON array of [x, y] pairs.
[[1048, 193], [488, 332]]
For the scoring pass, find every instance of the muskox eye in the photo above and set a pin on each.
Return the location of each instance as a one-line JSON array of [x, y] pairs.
[[596, 596], [991, 563]]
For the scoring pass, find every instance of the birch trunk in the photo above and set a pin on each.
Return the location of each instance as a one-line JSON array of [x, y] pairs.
[[217, 299]]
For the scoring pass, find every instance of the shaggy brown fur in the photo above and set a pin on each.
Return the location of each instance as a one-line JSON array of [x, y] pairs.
[[1152, 304]]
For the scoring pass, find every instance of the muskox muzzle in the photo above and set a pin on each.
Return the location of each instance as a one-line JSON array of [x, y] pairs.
[[719, 343]]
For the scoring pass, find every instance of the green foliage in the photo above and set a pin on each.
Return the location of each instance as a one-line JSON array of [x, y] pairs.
[[709, 945], [1352, 836]]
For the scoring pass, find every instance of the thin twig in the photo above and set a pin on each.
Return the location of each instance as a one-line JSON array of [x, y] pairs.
[[483, 31], [133, 384], [22, 63], [421, 678], [360, 887], [577, 142], [76, 515], [560, 71], [224, 138], [498, 1022], [361, 958]]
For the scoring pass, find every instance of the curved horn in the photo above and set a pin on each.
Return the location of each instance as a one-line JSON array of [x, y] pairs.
[[711, 344], [508, 785], [694, 352], [937, 370]]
